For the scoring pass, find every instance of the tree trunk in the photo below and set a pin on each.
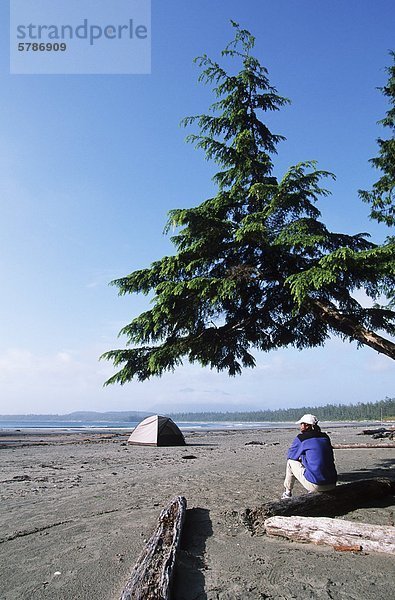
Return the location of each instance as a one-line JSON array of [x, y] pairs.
[[348, 325], [338, 501], [342, 535], [152, 574]]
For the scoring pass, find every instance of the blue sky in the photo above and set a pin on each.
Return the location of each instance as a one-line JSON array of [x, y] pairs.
[[91, 164]]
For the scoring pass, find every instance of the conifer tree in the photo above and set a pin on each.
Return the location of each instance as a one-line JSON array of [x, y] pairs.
[[382, 195], [254, 266]]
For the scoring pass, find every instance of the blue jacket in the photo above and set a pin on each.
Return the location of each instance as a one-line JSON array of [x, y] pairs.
[[314, 449]]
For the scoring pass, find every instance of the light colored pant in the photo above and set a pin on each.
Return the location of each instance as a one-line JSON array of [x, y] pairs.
[[295, 470]]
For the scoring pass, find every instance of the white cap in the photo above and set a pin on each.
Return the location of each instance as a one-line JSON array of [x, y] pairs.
[[309, 419]]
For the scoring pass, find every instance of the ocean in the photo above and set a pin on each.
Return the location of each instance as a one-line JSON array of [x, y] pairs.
[[129, 425]]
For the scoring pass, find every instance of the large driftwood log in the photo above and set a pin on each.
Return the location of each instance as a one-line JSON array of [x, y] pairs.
[[342, 535], [373, 431], [380, 445], [338, 501], [152, 574]]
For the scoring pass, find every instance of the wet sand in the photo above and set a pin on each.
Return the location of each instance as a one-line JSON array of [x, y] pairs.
[[76, 510]]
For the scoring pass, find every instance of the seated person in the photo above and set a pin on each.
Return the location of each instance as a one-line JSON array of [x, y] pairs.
[[310, 459]]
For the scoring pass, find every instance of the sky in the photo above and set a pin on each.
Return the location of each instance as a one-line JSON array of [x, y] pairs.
[[91, 164]]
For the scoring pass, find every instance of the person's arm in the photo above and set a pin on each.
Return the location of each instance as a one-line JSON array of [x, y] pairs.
[[295, 449]]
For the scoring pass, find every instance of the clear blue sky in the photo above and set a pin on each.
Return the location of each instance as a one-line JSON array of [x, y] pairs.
[[90, 165]]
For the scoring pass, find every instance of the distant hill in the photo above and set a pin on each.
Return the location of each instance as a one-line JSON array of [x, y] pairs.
[[362, 411], [83, 416]]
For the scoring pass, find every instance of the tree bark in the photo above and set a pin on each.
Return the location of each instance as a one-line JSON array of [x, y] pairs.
[[350, 327], [342, 535], [338, 501], [152, 574]]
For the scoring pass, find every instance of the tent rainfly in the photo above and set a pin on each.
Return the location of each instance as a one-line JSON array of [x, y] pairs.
[[157, 431]]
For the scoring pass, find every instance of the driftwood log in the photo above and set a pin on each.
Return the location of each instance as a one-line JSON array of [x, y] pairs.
[[339, 501], [380, 445], [374, 431], [342, 535], [152, 574]]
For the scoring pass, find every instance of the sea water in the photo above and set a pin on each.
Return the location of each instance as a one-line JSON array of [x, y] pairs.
[[129, 425]]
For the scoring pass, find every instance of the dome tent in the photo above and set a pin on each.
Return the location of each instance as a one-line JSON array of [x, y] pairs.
[[157, 431]]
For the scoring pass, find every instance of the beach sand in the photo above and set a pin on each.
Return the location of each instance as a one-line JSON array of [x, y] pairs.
[[77, 509]]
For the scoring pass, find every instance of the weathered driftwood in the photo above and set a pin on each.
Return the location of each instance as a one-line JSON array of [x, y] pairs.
[[342, 535], [380, 445], [152, 574], [388, 435], [338, 501], [343, 548], [373, 431]]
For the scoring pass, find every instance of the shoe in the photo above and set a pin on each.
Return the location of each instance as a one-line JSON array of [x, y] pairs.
[[286, 494]]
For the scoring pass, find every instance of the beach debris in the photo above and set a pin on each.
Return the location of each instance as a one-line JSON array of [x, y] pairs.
[[253, 443], [343, 548], [375, 431], [342, 499], [345, 446], [21, 478], [340, 534], [151, 577], [380, 433], [390, 435], [189, 456]]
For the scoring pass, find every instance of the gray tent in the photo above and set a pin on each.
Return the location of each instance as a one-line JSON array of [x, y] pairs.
[[157, 431]]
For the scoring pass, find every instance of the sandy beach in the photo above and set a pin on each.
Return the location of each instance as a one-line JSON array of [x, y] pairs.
[[76, 510]]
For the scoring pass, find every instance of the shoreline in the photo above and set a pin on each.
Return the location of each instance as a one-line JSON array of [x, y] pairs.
[[13, 437], [29, 436], [187, 426], [76, 510]]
